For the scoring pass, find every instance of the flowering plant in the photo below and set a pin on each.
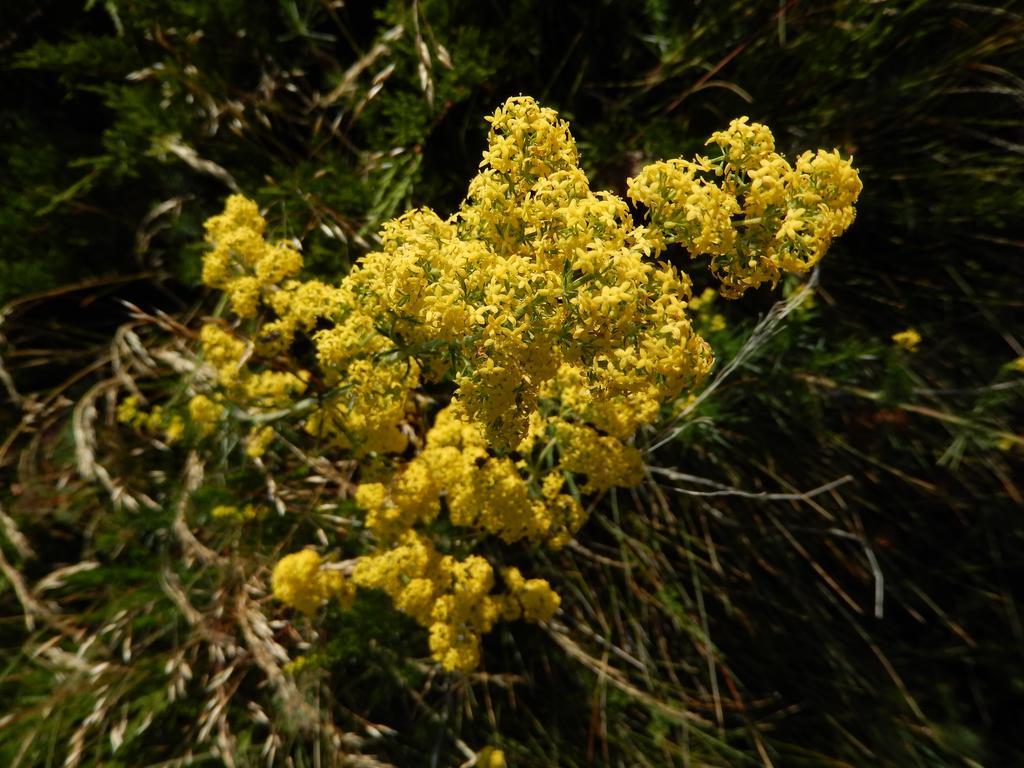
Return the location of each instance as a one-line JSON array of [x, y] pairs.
[[485, 373]]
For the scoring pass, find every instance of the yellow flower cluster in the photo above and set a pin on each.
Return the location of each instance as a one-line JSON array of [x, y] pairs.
[[230, 512], [205, 414], [533, 273], [259, 440], [550, 313], [489, 493], [364, 394], [452, 598], [605, 461], [491, 757], [908, 339], [242, 263], [755, 214], [224, 352], [301, 581], [156, 422]]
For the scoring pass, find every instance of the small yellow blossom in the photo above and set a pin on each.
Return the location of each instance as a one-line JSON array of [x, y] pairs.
[[205, 414], [296, 665], [154, 422], [258, 442], [908, 339], [128, 409], [224, 511], [491, 757], [230, 512], [532, 598], [223, 351], [175, 429], [299, 580]]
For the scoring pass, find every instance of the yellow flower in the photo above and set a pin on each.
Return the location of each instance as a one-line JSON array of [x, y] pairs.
[[299, 580], [258, 442], [205, 414], [128, 410], [491, 757], [175, 429], [745, 144], [223, 351], [533, 599], [222, 511], [908, 339]]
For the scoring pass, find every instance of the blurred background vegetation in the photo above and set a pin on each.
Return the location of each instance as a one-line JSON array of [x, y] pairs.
[[745, 619]]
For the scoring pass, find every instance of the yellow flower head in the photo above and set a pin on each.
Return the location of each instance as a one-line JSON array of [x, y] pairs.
[[299, 580], [205, 414], [491, 757], [908, 339]]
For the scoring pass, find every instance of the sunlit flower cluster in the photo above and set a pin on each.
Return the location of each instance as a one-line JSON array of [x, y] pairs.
[[752, 211], [301, 581], [489, 370], [453, 598]]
